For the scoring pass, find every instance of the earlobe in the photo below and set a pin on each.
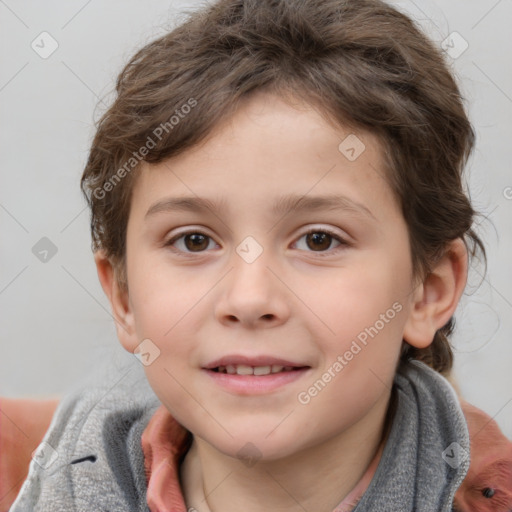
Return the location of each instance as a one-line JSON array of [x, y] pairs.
[[435, 299], [119, 301]]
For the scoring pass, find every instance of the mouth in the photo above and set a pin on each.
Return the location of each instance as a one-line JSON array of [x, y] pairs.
[[254, 375], [243, 369], [253, 365]]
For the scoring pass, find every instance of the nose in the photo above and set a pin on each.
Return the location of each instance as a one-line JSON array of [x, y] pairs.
[[253, 295]]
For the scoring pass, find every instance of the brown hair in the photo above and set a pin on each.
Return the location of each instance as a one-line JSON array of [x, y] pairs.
[[362, 63]]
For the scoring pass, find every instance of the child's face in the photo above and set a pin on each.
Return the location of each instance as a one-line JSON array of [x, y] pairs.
[[310, 301]]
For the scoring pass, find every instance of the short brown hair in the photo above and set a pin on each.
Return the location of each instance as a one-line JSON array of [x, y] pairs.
[[362, 63]]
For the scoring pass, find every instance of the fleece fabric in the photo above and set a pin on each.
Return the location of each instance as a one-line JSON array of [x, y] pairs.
[[91, 458], [165, 442]]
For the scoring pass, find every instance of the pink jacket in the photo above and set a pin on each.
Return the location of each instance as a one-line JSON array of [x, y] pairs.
[[488, 483]]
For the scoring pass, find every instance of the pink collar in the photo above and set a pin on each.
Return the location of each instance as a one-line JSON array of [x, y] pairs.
[[164, 443]]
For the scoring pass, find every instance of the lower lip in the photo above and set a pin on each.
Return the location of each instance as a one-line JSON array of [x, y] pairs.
[[255, 384]]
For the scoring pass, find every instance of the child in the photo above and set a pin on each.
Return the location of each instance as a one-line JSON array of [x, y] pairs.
[[277, 375]]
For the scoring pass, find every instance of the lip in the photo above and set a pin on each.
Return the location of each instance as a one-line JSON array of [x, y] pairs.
[[256, 384], [262, 360]]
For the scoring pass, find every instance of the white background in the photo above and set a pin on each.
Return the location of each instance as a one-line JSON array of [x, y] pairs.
[[55, 323]]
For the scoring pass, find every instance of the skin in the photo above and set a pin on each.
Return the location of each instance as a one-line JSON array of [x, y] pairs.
[[291, 302]]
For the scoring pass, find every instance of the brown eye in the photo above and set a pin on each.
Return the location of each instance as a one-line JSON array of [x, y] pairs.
[[196, 241], [189, 242], [320, 241]]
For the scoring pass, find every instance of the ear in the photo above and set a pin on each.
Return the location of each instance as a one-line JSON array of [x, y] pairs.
[[436, 298], [119, 301]]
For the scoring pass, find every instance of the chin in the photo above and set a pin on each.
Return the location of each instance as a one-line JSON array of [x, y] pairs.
[[251, 449]]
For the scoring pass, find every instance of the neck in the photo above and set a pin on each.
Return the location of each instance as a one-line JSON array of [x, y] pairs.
[[317, 478]]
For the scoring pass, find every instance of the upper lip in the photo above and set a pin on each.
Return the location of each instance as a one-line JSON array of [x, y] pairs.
[[252, 361]]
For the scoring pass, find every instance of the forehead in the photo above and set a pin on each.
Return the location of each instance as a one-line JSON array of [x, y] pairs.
[[268, 154]]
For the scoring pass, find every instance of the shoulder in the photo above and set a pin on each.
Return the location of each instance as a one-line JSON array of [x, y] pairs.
[[23, 423], [426, 455], [91, 454]]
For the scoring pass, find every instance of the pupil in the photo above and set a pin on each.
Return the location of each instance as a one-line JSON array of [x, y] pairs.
[[318, 238], [196, 239]]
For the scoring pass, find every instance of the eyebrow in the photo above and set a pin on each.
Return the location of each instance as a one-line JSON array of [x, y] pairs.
[[284, 205]]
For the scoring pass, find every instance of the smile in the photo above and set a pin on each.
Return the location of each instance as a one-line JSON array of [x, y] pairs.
[[255, 380], [242, 369]]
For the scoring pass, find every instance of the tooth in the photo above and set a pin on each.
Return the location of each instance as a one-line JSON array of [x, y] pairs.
[[261, 370], [230, 369], [243, 369], [288, 368], [276, 368], [221, 369]]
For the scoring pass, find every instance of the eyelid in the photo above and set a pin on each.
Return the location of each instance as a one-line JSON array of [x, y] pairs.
[[342, 240], [187, 231]]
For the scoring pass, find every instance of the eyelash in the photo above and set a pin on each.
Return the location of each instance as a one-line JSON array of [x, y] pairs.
[[343, 243]]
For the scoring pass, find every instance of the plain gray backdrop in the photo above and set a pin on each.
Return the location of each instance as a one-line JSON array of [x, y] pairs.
[[55, 321]]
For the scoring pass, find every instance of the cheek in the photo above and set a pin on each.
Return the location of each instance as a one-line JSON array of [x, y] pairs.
[[169, 386], [366, 314], [354, 302], [162, 300]]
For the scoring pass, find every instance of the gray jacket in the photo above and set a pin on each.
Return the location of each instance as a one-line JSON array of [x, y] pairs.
[[91, 458]]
